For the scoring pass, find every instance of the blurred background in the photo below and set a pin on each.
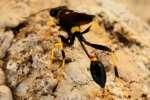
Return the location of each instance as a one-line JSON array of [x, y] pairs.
[[139, 8]]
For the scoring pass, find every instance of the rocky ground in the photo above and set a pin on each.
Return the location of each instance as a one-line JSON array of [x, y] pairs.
[[26, 42]]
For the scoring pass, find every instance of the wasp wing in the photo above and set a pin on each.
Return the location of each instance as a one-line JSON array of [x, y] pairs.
[[75, 18]]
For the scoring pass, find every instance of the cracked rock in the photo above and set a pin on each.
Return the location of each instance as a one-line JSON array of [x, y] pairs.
[[6, 39]]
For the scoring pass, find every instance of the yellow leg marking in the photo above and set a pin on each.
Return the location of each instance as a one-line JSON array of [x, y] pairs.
[[60, 45], [120, 83], [62, 65], [51, 58], [114, 62], [93, 58], [57, 45], [114, 59], [52, 54]]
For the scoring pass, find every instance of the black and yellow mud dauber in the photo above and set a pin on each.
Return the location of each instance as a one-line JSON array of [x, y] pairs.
[[70, 22]]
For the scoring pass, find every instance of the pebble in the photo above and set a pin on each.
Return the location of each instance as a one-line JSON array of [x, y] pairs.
[[77, 73], [5, 42], [5, 93]]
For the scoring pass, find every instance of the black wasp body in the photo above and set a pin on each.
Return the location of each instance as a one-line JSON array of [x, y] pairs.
[[70, 22], [68, 18]]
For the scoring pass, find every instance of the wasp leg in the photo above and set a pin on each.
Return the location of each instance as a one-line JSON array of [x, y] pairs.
[[64, 39], [51, 58], [96, 68], [68, 41], [57, 45], [60, 46], [96, 46], [63, 59], [114, 61], [116, 72], [117, 78], [87, 30]]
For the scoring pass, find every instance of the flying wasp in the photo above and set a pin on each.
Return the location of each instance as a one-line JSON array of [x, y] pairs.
[[70, 21]]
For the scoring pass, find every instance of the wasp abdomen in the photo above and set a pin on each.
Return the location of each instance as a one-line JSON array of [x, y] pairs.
[[98, 73]]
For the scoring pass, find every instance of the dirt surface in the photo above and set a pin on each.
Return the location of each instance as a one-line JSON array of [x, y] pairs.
[[27, 42]]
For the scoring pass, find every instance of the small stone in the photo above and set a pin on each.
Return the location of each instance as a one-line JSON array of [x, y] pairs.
[[76, 72], [18, 11], [5, 42], [74, 95], [21, 90], [5, 93], [12, 65]]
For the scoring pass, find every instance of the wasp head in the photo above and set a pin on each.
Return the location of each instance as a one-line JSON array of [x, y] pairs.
[[55, 11]]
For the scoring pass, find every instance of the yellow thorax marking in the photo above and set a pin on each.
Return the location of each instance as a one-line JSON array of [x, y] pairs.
[[93, 58], [75, 29]]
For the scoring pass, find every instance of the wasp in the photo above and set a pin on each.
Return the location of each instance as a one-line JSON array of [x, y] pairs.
[[70, 21]]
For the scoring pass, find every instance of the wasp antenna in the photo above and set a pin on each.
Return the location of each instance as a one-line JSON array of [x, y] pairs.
[[34, 14], [98, 73]]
